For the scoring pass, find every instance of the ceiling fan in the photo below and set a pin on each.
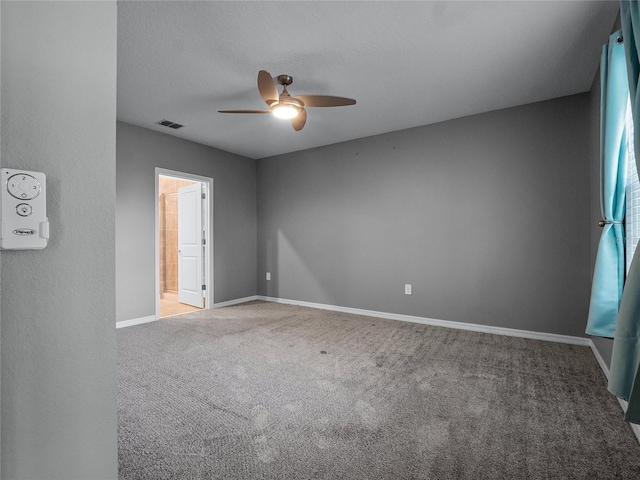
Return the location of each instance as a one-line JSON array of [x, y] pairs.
[[285, 106]]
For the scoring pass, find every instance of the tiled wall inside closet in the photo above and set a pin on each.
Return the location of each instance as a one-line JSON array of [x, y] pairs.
[[168, 222]]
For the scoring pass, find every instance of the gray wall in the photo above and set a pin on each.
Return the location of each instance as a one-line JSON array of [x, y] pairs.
[[139, 151], [486, 216], [0, 255], [58, 304]]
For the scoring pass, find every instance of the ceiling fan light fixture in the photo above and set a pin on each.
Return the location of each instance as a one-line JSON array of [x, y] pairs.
[[285, 111]]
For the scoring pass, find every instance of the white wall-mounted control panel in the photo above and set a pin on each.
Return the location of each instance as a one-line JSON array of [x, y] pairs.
[[23, 210]]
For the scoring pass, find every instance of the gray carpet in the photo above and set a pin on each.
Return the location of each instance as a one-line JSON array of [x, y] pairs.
[[269, 391]]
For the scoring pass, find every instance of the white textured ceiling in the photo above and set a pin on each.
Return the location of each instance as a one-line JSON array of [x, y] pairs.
[[406, 63]]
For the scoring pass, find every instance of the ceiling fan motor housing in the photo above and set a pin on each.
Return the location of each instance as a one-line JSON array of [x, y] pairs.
[[285, 80]]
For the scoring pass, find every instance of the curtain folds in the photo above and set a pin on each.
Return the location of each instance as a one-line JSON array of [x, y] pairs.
[[624, 381], [608, 276]]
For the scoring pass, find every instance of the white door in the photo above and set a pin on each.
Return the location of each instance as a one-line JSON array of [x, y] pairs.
[[190, 251]]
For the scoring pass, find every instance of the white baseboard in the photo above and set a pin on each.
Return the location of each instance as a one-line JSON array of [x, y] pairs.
[[152, 318], [605, 370], [511, 332], [601, 362], [136, 321], [228, 303]]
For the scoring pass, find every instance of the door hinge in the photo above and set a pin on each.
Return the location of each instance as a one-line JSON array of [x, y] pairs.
[[204, 241], [204, 196], [204, 287]]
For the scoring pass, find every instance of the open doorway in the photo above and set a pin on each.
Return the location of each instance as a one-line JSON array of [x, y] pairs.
[[183, 243]]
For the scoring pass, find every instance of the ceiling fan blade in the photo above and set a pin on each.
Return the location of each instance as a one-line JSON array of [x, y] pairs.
[[325, 101], [244, 111], [267, 88], [299, 120]]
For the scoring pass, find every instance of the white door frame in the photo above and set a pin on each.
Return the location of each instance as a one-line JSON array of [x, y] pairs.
[[208, 227]]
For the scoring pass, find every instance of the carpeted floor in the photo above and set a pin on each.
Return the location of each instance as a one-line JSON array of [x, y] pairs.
[[270, 391]]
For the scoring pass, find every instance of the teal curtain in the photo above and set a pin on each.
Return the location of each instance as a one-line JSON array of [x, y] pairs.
[[624, 381], [608, 276]]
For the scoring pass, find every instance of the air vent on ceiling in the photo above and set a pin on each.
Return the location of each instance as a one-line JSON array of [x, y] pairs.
[[167, 123]]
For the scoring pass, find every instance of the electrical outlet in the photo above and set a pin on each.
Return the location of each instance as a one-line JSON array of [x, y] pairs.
[[268, 275], [407, 289]]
